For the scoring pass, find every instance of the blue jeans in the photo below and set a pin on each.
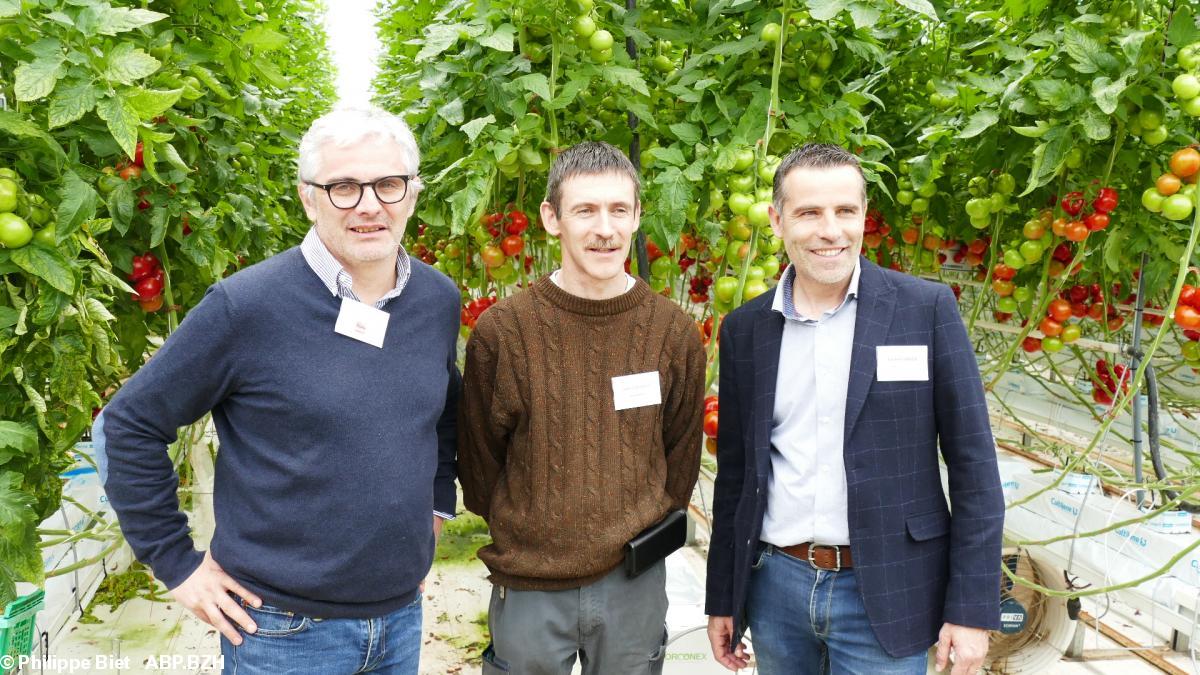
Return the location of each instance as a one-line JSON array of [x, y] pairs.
[[289, 644], [806, 620]]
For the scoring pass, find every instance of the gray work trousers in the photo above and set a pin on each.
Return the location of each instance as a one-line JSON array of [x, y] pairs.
[[615, 625]]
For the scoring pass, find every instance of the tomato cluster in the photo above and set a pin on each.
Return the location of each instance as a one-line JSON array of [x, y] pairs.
[[710, 423], [473, 309], [20, 211], [1187, 311], [1108, 376], [1174, 192], [148, 278]]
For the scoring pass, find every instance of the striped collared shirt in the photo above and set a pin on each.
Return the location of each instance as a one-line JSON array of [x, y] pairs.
[[340, 284], [337, 279]]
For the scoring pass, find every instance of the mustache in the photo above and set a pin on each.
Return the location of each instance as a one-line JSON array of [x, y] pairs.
[[603, 243]]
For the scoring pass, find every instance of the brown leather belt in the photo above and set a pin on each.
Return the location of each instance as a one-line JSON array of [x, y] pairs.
[[821, 556]]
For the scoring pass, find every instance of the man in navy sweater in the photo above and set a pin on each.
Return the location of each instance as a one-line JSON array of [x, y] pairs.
[[330, 373]]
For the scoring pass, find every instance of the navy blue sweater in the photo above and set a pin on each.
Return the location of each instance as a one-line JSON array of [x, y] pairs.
[[334, 453]]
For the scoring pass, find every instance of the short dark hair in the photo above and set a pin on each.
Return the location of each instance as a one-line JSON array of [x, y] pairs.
[[814, 156], [588, 158]]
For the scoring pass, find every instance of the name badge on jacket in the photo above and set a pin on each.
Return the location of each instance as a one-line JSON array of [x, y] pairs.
[[635, 391], [902, 363], [362, 322]]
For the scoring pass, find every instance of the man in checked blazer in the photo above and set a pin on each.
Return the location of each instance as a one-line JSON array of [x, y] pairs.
[[832, 540]]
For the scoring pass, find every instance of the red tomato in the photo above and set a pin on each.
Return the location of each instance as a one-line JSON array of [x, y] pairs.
[[148, 288], [1072, 204], [152, 305], [512, 245], [1077, 231], [1059, 310], [1187, 317], [1050, 327], [1003, 272], [517, 222], [710, 403], [1031, 345], [1096, 221], [710, 424]]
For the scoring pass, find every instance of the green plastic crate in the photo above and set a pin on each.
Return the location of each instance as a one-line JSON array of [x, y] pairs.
[[16, 626]]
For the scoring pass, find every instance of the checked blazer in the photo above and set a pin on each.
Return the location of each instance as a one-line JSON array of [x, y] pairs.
[[919, 562]]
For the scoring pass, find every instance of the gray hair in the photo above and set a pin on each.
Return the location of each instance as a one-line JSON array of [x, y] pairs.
[[346, 125], [814, 156], [588, 159]]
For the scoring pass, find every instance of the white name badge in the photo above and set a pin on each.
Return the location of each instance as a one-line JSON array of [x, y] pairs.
[[635, 391], [362, 322], [896, 363]]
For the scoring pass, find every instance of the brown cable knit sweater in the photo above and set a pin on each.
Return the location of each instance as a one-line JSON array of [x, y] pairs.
[[563, 479]]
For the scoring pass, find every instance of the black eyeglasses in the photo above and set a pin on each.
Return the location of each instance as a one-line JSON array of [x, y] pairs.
[[347, 194]]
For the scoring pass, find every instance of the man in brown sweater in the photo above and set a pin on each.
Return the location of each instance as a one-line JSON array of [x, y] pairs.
[[566, 460]]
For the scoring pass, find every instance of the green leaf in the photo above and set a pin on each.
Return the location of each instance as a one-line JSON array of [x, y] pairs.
[[1183, 30], [1048, 159], [920, 7], [979, 123], [109, 279], [1095, 124], [438, 38], [71, 102], [628, 77], [824, 10], [452, 112], [21, 437], [641, 111], [150, 103], [688, 133], [122, 122], [1107, 93], [1090, 56], [8, 317], [17, 125], [9, 8], [128, 64], [158, 226], [1131, 44], [1113, 248], [114, 20], [865, 16], [36, 79], [77, 203], [671, 155], [464, 202], [501, 40], [263, 39], [174, 159], [536, 83], [16, 506], [120, 207], [568, 92], [1033, 132], [476, 126], [1058, 94], [48, 264]]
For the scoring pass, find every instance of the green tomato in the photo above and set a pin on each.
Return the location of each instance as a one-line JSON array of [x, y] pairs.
[[1052, 345], [928, 190], [769, 266], [981, 223], [1190, 350], [920, 205], [1177, 207], [978, 207], [1186, 87], [755, 272], [1155, 135], [824, 60], [1191, 107], [1032, 251], [743, 159], [1152, 200], [46, 237], [584, 26], [764, 194], [1150, 118], [14, 231], [741, 183], [770, 32], [1071, 332], [770, 245], [740, 203], [8, 195], [766, 172], [904, 197], [663, 64], [1074, 158], [1022, 294], [1189, 57], [600, 40], [662, 267], [1006, 184], [1014, 259], [997, 202], [1007, 304], [725, 288], [602, 56], [753, 289], [759, 214]]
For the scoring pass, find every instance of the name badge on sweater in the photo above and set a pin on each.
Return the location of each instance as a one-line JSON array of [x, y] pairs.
[[907, 363], [636, 391], [362, 322]]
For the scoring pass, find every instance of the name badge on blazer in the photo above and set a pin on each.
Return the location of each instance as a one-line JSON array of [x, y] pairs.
[[902, 363]]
